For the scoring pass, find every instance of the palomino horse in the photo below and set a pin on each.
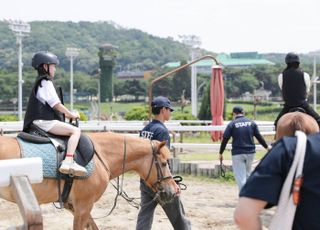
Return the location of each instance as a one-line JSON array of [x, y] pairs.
[[290, 122], [115, 154]]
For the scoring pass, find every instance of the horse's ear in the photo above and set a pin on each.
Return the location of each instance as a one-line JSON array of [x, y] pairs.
[[162, 143]]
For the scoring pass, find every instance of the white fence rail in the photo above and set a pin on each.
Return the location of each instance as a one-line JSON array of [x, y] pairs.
[[174, 126], [266, 128]]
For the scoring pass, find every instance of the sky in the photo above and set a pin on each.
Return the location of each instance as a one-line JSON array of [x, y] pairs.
[[264, 26]]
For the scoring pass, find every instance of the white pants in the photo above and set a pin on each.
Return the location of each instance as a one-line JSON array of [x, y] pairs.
[[45, 125], [241, 166]]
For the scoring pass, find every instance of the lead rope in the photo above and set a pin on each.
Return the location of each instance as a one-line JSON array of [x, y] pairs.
[[222, 170]]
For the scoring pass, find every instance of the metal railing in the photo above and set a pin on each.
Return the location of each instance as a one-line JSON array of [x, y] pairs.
[[172, 72]]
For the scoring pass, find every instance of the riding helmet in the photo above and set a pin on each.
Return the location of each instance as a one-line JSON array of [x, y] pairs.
[[43, 57], [292, 58]]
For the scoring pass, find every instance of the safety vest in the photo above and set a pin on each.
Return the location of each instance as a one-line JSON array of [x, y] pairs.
[[36, 110], [294, 90]]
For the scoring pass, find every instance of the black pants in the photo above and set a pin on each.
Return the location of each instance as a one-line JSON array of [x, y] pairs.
[[174, 211], [309, 110]]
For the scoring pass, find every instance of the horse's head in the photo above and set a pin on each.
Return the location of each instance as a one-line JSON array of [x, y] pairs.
[[159, 177]]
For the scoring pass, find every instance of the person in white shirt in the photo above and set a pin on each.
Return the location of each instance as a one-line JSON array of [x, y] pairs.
[[46, 111], [295, 86]]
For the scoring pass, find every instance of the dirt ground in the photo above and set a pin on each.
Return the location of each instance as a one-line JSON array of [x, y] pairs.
[[208, 204]]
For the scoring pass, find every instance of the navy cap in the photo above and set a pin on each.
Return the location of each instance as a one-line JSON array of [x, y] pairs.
[[160, 102], [237, 109]]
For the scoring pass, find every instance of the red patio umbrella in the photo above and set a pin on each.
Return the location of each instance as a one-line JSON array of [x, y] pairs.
[[216, 100]]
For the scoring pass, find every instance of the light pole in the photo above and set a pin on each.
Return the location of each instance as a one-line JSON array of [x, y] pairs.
[[20, 29], [193, 42], [315, 79], [71, 53]]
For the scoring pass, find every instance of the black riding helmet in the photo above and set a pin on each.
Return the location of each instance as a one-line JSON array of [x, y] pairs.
[[292, 58], [43, 57]]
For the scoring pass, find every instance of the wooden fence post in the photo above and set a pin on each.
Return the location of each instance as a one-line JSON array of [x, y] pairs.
[[27, 202]]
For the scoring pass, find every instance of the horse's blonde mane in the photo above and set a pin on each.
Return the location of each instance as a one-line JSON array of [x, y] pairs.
[[136, 140]]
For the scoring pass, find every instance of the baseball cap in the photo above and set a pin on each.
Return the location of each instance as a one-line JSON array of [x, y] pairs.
[[237, 109], [160, 101]]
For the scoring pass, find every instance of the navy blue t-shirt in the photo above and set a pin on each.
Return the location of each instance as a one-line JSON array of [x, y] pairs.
[[156, 130], [265, 182], [242, 130]]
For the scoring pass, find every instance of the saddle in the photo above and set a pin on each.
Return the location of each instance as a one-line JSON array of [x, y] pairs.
[[83, 156], [84, 151], [297, 109]]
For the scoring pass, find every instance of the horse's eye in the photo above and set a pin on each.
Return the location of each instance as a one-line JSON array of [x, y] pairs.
[[164, 164]]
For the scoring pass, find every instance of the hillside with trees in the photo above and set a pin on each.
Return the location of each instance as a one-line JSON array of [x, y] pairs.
[[136, 50]]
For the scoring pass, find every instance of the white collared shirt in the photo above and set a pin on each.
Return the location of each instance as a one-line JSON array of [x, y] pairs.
[[47, 93]]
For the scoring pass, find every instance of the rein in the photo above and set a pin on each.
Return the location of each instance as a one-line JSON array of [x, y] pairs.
[[118, 187]]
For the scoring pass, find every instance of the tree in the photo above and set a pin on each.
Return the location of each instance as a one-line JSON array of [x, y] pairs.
[[135, 88], [181, 81], [205, 109]]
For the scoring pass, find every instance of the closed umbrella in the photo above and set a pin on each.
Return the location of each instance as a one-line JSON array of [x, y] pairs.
[[216, 100]]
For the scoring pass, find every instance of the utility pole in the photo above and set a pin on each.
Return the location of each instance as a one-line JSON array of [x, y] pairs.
[[71, 53], [193, 42], [20, 29], [315, 79]]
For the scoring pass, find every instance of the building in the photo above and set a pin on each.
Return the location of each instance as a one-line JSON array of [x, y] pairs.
[[134, 75], [240, 59]]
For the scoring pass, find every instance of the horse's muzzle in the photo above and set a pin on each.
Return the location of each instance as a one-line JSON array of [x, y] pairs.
[[166, 191]]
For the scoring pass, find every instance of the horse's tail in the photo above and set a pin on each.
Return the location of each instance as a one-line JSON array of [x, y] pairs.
[[297, 122]]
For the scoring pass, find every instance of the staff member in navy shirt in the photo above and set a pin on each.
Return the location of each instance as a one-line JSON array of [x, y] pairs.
[[242, 130], [263, 187], [156, 130]]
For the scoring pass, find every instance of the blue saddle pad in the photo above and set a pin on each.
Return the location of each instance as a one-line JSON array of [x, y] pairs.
[[48, 154]]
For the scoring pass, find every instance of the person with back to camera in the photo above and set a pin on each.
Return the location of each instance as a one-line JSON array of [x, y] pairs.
[[295, 86], [242, 130], [156, 130], [44, 110]]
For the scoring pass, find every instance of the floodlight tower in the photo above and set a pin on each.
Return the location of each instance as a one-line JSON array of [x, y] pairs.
[[193, 42], [20, 29], [71, 53]]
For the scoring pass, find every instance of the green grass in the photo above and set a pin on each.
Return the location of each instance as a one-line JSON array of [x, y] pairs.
[[229, 178], [200, 137], [116, 107]]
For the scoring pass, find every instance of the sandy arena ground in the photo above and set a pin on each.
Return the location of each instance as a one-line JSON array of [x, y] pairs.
[[208, 204]]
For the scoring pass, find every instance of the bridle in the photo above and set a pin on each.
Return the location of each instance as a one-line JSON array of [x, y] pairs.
[[160, 177]]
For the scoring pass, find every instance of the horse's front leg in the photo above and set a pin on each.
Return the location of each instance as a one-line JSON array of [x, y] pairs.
[[81, 217], [91, 225]]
